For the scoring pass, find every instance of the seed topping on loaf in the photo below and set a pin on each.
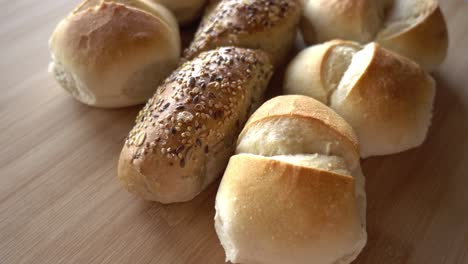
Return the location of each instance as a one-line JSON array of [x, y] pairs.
[[191, 106], [240, 17]]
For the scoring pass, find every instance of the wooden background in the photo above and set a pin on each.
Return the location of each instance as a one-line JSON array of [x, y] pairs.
[[60, 201]]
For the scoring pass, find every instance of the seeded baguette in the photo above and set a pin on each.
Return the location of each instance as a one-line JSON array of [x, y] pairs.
[[269, 25], [185, 134]]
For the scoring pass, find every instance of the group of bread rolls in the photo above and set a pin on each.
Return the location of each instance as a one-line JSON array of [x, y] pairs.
[[293, 190]]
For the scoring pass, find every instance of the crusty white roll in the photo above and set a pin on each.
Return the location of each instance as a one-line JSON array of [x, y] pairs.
[[269, 25], [186, 133], [148, 6], [114, 53], [186, 11], [294, 192], [413, 28], [386, 97]]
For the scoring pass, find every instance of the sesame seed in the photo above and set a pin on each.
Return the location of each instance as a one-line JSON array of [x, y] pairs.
[[140, 138]]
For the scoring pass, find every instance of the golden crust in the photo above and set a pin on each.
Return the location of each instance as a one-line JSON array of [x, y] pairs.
[[193, 118], [429, 36], [415, 29], [389, 103], [293, 212], [249, 24], [149, 7], [385, 97], [82, 39], [401, 84], [283, 181], [299, 106]]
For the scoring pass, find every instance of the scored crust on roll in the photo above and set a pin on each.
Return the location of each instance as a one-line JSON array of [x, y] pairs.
[[325, 65], [296, 125], [385, 97], [415, 29], [147, 6], [269, 25], [114, 55], [264, 135], [288, 197], [186, 133]]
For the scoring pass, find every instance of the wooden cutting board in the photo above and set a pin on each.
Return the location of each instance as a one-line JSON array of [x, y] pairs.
[[60, 201]]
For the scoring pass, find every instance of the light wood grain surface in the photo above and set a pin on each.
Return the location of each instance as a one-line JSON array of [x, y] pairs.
[[60, 201]]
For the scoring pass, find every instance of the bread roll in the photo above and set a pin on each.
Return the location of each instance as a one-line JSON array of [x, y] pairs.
[[186, 11], [385, 97], [186, 133], [148, 6], [294, 193], [269, 25], [415, 29], [114, 53]]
